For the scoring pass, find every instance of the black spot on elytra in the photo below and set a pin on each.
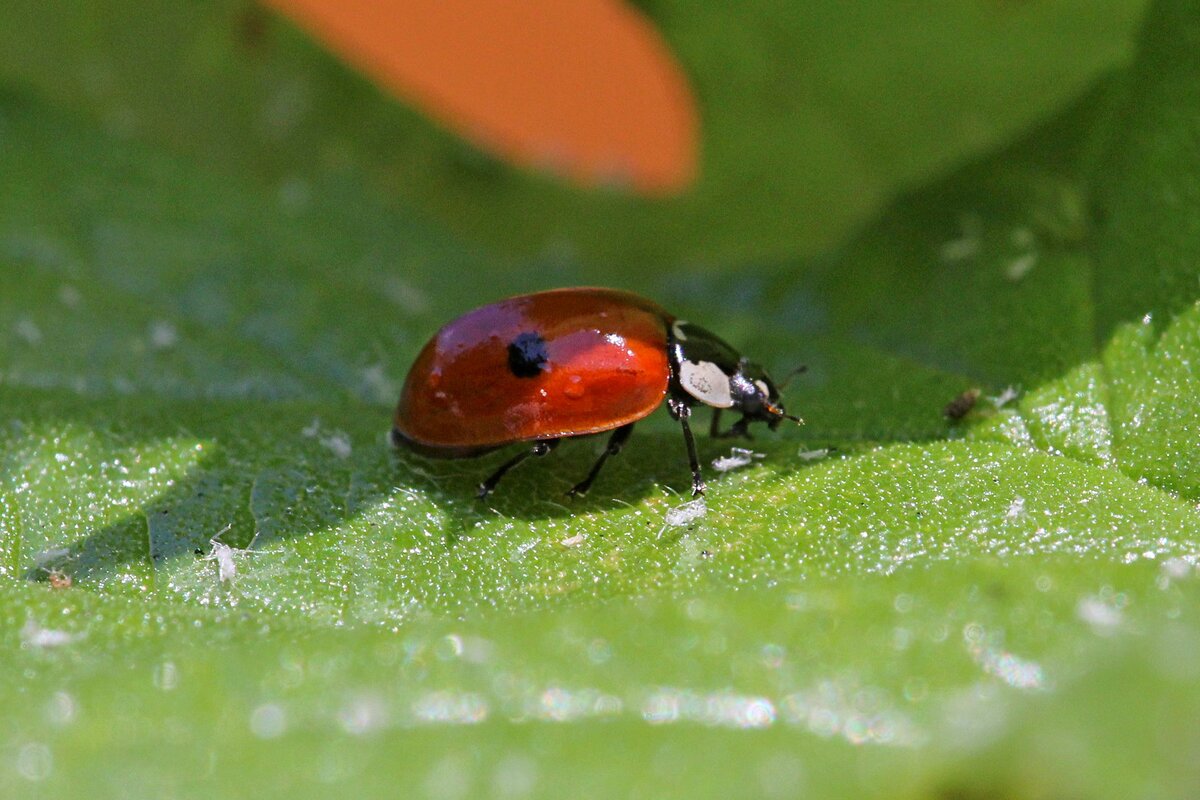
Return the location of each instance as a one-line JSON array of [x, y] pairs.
[[527, 355]]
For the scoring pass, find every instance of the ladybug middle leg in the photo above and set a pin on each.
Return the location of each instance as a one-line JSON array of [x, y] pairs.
[[615, 442], [539, 449], [737, 430]]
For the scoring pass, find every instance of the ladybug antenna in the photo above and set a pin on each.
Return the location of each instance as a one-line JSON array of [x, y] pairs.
[[787, 378], [779, 414]]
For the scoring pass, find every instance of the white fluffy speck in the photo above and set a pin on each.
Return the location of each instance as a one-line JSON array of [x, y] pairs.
[[163, 335], [223, 555], [966, 245], [1019, 267], [738, 457], [1016, 509], [813, 455], [1005, 397], [226, 556], [338, 443], [377, 386], [520, 550], [28, 331], [405, 296], [687, 513], [69, 296]]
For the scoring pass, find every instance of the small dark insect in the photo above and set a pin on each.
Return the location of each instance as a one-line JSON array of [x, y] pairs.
[[544, 367], [961, 405]]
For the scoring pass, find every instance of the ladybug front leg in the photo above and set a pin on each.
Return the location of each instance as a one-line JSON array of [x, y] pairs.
[[539, 449], [615, 443], [681, 411]]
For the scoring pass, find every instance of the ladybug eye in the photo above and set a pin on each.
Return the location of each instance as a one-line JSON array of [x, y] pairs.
[[706, 382]]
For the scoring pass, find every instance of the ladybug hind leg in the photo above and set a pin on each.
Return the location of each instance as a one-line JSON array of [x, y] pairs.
[[615, 442], [538, 449]]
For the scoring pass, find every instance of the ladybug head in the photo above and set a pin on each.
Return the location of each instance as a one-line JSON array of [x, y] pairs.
[[756, 396], [710, 371]]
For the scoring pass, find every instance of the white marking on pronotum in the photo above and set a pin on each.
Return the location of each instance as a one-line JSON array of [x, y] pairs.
[[677, 330], [762, 387], [706, 382]]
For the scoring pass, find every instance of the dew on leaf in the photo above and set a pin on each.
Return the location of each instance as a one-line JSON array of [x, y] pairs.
[[268, 721], [1100, 613], [34, 762], [450, 708], [363, 714]]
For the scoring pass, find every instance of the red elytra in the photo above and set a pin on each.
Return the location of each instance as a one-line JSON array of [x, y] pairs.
[[570, 362]]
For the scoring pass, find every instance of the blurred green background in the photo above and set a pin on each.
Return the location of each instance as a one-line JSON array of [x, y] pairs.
[[220, 249]]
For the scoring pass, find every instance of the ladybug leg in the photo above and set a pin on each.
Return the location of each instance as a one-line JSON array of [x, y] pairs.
[[737, 430], [681, 411], [615, 442], [714, 428], [538, 449]]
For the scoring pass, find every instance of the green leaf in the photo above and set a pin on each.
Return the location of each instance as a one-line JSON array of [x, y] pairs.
[[196, 374], [813, 115], [1145, 193]]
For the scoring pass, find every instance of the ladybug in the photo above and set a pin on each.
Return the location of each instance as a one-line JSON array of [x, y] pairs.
[[553, 365]]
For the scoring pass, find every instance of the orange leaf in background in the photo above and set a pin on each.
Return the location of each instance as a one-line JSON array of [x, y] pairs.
[[585, 88]]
